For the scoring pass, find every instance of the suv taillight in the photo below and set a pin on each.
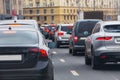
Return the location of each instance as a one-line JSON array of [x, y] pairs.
[[107, 38], [60, 33], [75, 39], [41, 51]]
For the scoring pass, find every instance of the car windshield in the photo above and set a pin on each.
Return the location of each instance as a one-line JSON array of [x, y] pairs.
[[67, 28], [86, 27], [18, 37], [112, 28]]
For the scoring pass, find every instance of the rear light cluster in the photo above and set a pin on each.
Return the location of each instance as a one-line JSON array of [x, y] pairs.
[[75, 39], [107, 38], [60, 33], [41, 51]]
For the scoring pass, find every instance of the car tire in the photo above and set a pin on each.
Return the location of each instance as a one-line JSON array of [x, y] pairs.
[[94, 63], [74, 52], [87, 60], [70, 51]]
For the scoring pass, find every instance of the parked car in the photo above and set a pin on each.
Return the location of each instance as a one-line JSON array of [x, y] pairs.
[[24, 55], [82, 29], [62, 34], [103, 45]]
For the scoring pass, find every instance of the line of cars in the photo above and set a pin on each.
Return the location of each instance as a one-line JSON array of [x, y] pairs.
[[24, 53], [98, 40]]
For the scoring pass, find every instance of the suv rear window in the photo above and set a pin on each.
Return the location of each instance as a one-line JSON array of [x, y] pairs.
[[112, 28], [66, 28], [86, 27], [18, 37]]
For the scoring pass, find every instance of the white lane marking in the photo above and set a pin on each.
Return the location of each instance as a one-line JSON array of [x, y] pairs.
[[54, 52], [62, 60], [74, 73]]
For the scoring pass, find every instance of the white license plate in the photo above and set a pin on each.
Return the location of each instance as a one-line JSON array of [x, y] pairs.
[[83, 38], [117, 40], [10, 57]]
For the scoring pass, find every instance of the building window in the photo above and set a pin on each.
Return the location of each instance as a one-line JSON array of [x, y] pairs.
[[64, 17], [30, 17], [31, 11], [38, 11], [45, 18], [52, 10], [68, 11], [67, 17], [52, 18], [45, 11], [38, 18], [71, 17], [37, 4], [64, 10]]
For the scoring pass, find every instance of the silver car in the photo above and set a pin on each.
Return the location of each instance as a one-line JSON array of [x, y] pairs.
[[62, 34], [103, 45]]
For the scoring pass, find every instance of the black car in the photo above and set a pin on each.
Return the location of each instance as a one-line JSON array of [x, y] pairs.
[[82, 29], [24, 55]]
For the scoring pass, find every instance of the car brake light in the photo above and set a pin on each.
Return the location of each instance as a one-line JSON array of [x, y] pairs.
[[75, 39], [60, 33], [107, 38], [42, 51]]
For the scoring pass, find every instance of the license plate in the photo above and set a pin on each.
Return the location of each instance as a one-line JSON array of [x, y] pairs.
[[82, 38], [10, 57], [117, 40]]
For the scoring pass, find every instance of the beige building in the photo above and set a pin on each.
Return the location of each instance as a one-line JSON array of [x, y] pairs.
[[8, 6], [65, 11]]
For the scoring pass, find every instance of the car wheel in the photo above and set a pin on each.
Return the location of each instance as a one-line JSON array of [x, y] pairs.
[[70, 51], [74, 52], [87, 60], [94, 63]]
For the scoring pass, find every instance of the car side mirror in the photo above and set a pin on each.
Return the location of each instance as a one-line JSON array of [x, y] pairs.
[[51, 45]]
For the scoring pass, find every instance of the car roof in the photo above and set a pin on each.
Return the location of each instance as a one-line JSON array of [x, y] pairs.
[[17, 21], [66, 24], [88, 20], [109, 22]]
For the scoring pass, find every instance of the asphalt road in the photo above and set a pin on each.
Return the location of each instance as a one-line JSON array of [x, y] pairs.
[[68, 67]]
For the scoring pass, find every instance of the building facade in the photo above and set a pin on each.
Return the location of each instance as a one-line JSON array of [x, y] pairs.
[[11, 6], [66, 11]]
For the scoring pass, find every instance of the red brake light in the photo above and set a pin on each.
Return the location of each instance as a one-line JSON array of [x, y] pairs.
[[104, 38], [42, 51], [75, 39], [60, 33]]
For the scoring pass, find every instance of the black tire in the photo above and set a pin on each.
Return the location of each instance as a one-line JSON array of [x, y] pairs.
[[87, 60], [70, 51], [74, 52]]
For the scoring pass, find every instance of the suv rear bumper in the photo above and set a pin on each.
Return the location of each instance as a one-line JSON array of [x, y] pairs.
[[63, 42], [40, 71], [79, 48]]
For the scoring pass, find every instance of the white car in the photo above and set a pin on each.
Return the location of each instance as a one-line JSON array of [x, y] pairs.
[[62, 34]]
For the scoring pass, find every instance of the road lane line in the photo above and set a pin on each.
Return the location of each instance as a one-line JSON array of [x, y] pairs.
[[62, 60], [54, 52], [74, 73]]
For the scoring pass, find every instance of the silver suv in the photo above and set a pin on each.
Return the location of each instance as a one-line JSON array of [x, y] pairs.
[[62, 34]]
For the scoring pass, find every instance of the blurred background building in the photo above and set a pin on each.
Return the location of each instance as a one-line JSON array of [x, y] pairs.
[[11, 7], [68, 11]]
